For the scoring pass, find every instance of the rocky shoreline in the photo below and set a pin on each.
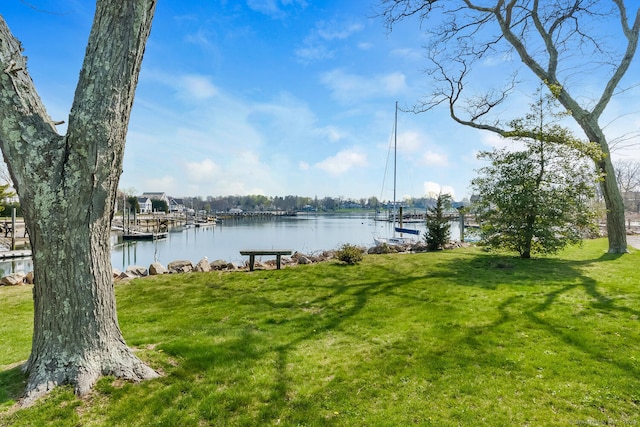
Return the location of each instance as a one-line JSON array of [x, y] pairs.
[[204, 265]]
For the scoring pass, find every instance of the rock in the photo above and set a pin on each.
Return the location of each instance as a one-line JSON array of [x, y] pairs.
[[180, 266], [219, 264], [137, 271], [156, 268], [302, 259], [257, 265], [115, 273], [233, 266], [13, 279], [30, 278], [385, 249], [420, 247], [202, 266], [126, 276], [285, 260]]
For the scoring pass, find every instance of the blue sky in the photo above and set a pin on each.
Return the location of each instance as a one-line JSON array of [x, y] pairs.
[[273, 97]]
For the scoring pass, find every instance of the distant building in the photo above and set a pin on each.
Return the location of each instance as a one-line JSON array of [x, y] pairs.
[[146, 206], [176, 205], [156, 196]]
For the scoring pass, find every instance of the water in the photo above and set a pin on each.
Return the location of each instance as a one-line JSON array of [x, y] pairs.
[[308, 234]]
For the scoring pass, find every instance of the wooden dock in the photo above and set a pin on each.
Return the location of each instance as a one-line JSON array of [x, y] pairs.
[[24, 253]]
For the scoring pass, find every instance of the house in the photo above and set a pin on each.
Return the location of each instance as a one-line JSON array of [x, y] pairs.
[[156, 196], [146, 206], [176, 205]]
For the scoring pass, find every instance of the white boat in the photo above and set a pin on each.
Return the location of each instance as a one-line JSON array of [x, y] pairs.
[[397, 239]]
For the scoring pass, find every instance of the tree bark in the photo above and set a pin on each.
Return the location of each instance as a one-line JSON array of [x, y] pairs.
[[67, 187]]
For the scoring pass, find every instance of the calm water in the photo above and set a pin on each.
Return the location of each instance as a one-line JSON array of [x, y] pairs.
[[306, 234]]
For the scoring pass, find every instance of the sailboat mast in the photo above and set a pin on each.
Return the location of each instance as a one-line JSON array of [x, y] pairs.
[[395, 156]]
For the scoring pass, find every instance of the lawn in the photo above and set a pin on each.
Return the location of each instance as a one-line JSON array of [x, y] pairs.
[[450, 338]]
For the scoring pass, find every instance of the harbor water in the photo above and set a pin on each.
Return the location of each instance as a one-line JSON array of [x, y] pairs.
[[307, 234]]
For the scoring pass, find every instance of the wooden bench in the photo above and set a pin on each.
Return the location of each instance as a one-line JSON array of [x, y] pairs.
[[252, 255]]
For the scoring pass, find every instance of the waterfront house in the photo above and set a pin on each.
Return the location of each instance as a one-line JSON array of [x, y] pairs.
[[146, 206]]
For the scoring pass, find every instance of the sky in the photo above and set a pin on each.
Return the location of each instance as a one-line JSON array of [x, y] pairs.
[[277, 97]]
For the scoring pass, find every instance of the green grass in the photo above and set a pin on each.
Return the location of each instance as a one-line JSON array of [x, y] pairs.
[[450, 338]]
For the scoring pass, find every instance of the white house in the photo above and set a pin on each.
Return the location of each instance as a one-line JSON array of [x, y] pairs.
[[176, 205], [145, 204]]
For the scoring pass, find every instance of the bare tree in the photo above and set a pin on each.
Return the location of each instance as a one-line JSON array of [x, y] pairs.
[[628, 178], [67, 186], [628, 175], [560, 42]]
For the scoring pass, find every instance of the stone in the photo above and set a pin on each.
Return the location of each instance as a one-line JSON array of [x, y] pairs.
[[126, 276], [13, 279], [115, 273], [137, 270], [156, 268], [202, 266], [30, 278], [180, 266], [219, 264], [302, 259]]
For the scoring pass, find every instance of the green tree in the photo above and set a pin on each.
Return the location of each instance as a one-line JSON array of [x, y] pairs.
[[133, 204], [564, 44], [536, 199], [159, 206], [438, 227], [5, 193]]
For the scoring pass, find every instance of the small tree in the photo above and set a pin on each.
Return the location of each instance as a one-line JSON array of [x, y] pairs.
[[536, 199], [438, 227], [159, 206], [5, 193], [132, 204]]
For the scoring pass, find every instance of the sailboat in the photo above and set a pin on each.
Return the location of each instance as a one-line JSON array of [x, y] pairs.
[[397, 240]]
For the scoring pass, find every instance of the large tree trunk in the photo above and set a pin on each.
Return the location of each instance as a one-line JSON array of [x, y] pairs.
[[67, 187], [614, 203]]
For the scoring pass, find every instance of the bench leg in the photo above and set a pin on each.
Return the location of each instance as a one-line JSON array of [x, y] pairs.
[[278, 262], [252, 259]]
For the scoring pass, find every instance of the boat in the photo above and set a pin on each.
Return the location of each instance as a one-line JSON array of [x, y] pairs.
[[132, 235], [397, 240]]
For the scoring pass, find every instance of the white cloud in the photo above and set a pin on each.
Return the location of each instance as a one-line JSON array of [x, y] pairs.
[[336, 30], [342, 162], [409, 141], [199, 38], [274, 8], [204, 171], [315, 46], [434, 159], [350, 88], [198, 86], [333, 133], [433, 189], [411, 54], [315, 53]]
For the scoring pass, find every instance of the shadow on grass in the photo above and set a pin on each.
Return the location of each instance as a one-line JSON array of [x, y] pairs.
[[540, 287], [245, 342], [299, 310], [12, 384]]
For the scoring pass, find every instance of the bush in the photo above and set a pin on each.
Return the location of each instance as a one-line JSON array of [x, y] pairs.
[[349, 254]]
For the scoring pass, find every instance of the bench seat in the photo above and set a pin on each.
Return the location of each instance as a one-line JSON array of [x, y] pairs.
[[253, 252]]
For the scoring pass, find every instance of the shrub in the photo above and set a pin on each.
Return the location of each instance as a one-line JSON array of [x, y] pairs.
[[349, 254]]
